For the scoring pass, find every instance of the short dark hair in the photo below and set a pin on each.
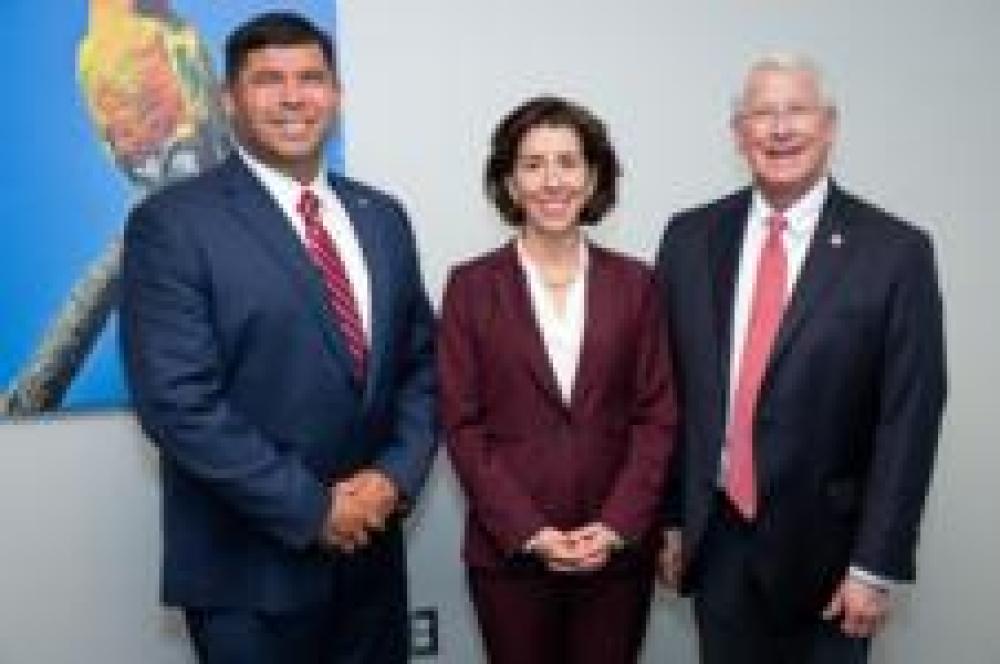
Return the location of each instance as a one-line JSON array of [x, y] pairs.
[[552, 111], [275, 29]]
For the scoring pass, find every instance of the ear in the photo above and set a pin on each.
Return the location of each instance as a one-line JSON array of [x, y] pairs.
[[338, 92], [228, 104], [832, 122], [739, 134]]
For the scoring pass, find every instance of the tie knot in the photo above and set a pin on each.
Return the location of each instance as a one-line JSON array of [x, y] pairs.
[[776, 223], [308, 206]]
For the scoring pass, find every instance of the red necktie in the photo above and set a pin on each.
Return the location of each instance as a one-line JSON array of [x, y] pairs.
[[339, 293], [768, 303]]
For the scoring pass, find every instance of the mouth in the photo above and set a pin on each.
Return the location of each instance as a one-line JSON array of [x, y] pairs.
[[554, 207], [293, 129], [784, 152]]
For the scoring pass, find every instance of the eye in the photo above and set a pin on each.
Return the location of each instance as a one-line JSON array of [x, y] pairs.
[[265, 77], [760, 115], [570, 160], [529, 162], [315, 76]]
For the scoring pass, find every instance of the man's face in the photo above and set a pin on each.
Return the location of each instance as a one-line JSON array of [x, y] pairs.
[[282, 105], [785, 130]]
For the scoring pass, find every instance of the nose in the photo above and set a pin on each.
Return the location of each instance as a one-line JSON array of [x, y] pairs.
[[782, 124], [785, 122], [291, 93], [551, 177]]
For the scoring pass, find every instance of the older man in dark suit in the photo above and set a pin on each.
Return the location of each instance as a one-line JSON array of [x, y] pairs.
[[807, 332]]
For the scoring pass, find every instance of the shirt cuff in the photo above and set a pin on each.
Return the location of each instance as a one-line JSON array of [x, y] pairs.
[[871, 579]]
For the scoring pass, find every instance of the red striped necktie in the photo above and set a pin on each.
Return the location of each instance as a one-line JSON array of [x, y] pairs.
[[767, 306], [340, 295]]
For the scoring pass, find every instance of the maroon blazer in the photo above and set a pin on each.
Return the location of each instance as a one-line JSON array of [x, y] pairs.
[[525, 458]]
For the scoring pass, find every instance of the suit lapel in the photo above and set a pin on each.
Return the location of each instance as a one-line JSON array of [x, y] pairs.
[[725, 240], [828, 251], [264, 219], [524, 329], [364, 219], [598, 311]]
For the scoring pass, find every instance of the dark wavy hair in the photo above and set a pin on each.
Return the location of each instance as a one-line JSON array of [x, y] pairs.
[[275, 29], [552, 111]]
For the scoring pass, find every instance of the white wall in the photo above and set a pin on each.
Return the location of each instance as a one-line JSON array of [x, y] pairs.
[[426, 81]]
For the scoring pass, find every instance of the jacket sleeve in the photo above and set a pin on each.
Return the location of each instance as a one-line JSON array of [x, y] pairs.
[[407, 457], [672, 505], [911, 401], [492, 490], [631, 508], [176, 372]]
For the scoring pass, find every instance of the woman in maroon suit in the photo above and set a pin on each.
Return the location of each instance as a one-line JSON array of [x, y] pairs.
[[558, 403]]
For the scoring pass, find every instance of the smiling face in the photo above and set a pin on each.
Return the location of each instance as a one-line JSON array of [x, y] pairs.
[[282, 104], [552, 181], [784, 129]]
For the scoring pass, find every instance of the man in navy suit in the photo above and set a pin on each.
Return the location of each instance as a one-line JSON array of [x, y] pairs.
[[807, 332], [279, 346]]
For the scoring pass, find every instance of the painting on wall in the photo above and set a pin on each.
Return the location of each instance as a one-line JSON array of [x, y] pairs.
[[107, 102]]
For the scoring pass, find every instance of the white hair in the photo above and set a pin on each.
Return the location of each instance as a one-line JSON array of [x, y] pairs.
[[785, 61]]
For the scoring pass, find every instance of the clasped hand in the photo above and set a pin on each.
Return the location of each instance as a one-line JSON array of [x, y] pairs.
[[359, 507], [584, 549]]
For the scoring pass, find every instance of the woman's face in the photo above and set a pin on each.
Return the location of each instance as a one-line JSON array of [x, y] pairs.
[[552, 181]]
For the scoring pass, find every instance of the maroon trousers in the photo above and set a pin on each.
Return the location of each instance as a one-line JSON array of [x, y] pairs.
[[532, 616]]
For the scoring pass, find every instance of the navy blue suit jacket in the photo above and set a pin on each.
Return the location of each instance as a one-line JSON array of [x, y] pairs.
[[241, 377], [847, 419]]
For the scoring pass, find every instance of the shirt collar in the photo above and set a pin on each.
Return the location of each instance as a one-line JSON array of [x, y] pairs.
[[802, 216], [534, 272], [281, 186]]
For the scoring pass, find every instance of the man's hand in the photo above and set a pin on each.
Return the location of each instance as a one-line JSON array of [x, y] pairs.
[[669, 561], [360, 505], [346, 521], [377, 495], [861, 607]]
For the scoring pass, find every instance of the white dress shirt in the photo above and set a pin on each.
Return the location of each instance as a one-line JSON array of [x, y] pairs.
[[286, 192], [562, 331]]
